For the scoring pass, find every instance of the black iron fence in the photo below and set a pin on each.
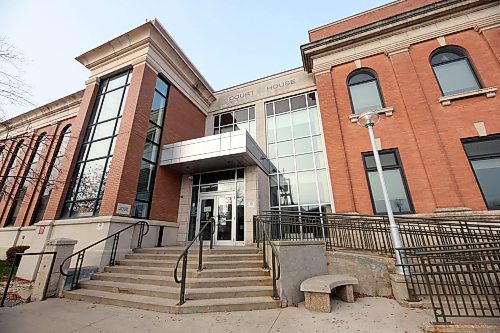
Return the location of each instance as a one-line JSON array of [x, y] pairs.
[[459, 280]]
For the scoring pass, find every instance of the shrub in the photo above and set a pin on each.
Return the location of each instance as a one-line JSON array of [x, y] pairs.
[[11, 253]]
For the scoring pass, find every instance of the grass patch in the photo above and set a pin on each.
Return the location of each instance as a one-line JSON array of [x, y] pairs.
[[4, 270]]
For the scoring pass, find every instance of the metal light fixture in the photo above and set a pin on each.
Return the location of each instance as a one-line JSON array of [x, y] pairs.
[[368, 120]]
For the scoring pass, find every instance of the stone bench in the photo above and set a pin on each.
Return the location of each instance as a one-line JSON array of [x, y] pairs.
[[317, 290]]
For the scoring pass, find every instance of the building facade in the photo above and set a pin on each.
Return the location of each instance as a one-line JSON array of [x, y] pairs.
[[149, 139]]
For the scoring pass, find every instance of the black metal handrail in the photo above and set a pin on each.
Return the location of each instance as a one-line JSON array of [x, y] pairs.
[[275, 264], [81, 253], [184, 257]]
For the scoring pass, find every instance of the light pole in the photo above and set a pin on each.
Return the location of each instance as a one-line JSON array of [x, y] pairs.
[[368, 120]]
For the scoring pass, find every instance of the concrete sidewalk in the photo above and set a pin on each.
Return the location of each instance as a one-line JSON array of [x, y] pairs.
[[369, 314]]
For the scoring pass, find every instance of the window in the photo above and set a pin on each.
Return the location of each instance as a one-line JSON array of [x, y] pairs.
[[484, 158], [52, 173], [28, 177], [11, 167], [453, 70], [298, 176], [394, 179], [147, 172], [364, 91], [241, 119], [91, 170]]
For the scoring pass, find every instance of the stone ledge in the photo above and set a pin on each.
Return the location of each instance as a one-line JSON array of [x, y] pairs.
[[488, 92], [387, 111], [468, 328]]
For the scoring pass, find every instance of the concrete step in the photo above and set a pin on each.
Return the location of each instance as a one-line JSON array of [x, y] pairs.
[[194, 258], [191, 273], [173, 293], [206, 250], [169, 305], [191, 264], [168, 281]]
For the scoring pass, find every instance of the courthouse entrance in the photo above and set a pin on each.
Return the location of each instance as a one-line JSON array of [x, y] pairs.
[[223, 209]]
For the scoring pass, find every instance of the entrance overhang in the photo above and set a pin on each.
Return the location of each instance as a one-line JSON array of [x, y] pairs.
[[215, 152]]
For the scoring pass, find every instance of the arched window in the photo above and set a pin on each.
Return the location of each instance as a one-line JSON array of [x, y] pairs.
[[52, 176], [11, 167], [453, 70], [364, 91]]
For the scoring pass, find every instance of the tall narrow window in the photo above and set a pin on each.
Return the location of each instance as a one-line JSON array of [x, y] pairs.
[[149, 161], [453, 70], [91, 171], [11, 168], [236, 120], [395, 181], [484, 158], [29, 177], [53, 172], [364, 91]]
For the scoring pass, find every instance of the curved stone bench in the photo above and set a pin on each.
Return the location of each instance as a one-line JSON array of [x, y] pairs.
[[317, 290]]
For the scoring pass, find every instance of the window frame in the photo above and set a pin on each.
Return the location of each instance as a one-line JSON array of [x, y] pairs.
[[465, 56], [398, 166], [480, 158], [217, 129], [370, 72]]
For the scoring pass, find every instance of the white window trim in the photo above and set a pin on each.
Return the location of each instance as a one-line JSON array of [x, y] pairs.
[[387, 111], [489, 92]]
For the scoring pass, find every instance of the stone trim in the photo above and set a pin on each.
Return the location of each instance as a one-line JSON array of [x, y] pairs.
[[104, 219], [488, 92], [388, 111]]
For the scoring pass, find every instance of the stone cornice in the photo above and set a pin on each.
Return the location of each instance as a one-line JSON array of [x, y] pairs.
[[401, 24]]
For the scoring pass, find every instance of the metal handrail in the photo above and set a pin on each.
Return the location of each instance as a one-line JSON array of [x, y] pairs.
[[81, 253], [276, 265], [184, 257]]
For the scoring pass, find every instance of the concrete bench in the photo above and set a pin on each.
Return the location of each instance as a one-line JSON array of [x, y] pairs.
[[317, 290]]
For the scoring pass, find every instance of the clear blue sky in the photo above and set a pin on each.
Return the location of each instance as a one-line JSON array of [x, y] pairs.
[[230, 42]]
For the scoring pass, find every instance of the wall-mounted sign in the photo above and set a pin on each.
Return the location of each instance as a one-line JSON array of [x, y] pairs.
[[123, 209], [100, 226], [41, 230]]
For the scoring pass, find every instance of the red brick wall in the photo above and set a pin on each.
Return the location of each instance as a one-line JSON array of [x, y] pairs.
[[426, 133], [183, 121], [367, 18]]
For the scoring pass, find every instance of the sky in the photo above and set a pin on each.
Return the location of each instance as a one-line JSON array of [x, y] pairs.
[[230, 42]]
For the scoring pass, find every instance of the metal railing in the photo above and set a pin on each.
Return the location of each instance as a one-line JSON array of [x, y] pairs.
[[184, 257], [263, 236], [81, 253], [461, 280], [371, 233], [11, 274]]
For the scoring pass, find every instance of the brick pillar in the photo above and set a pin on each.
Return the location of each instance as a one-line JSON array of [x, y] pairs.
[[78, 128], [436, 163], [492, 36], [123, 175], [335, 148]]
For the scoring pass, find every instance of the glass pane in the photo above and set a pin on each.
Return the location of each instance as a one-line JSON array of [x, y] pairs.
[[240, 173], [283, 127], [305, 161], [214, 177], [324, 193], [225, 218], [315, 123], [99, 149], [162, 86], [157, 109], [481, 148], [216, 121], [103, 130], [303, 145], [361, 77], [307, 187], [273, 167], [242, 126], [456, 77], [298, 102], [253, 129], [83, 209], [150, 151], [288, 190], [226, 119], [395, 188], [319, 159], [145, 182], [386, 160], [241, 115], [226, 129], [488, 176], [141, 209], [285, 148], [240, 212], [110, 105], [91, 179], [269, 109], [154, 133], [271, 130], [251, 113], [317, 142], [311, 99], [300, 121], [286, 164], [273, 186], [281, 106], [271, 150], [122, 107], [117, 81], [365, 97]]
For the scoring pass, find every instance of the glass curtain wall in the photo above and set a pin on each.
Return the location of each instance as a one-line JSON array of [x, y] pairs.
[[236, 120], [298, 176], [147, 173], [91, 171]]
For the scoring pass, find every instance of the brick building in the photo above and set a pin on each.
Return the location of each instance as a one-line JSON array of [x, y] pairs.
[[148, 138]]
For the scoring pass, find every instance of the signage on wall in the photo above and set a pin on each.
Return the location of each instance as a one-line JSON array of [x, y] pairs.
[[41, 230], [242, 96], [123, 209]]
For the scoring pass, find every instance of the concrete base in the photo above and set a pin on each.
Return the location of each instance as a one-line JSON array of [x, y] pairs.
[[319, 302], [399, 288], [462, 328]]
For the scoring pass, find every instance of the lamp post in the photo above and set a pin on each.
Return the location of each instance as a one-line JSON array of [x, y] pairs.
[[368, 120]]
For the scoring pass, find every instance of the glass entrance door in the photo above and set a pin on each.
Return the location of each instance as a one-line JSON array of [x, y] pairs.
[[222, 208]]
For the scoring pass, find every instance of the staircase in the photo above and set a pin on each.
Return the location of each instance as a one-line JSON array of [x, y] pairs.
[[233, 280]]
